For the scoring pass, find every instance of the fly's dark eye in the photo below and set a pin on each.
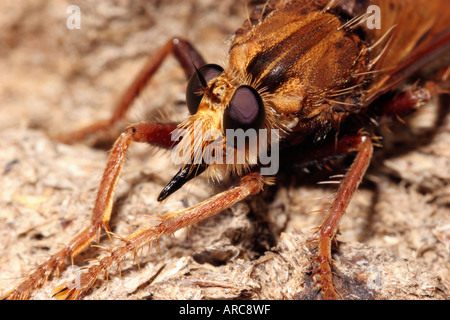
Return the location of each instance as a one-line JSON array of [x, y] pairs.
[[197, 83], [245, 111]]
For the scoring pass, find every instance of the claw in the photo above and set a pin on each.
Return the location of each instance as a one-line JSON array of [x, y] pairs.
[[63, 292]]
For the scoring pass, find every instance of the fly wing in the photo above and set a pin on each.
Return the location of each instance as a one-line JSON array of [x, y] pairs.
[[412, 33]]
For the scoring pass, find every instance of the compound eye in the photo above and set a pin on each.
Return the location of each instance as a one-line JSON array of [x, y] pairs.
[[198, 84], [245, 111]]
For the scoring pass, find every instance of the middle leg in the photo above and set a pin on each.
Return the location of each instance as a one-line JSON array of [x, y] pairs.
[[363, 145]]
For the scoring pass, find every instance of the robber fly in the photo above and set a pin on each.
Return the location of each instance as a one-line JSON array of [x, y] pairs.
[[314, 72]]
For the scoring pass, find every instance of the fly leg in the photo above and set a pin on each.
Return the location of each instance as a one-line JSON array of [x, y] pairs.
[[405, 102], [250, 184], [398, 106], [414, 97], [153, 133], [362, 144], [186, 55]]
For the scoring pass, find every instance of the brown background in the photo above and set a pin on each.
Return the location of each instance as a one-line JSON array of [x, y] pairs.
[[395, 238]]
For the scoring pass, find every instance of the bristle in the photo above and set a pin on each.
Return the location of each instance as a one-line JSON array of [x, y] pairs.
[[382, 38], [330, 5], [344, 91], [340, 102], [375, 60], [355, 22], [329, 182], [248, 16]]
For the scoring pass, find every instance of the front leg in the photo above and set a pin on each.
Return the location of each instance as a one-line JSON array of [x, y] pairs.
[[250, 184], [153, 133]]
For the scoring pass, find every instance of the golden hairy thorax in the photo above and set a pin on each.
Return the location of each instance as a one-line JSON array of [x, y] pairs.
[[296, 56]]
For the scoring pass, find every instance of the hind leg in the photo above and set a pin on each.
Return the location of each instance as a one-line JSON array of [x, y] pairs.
[[184, 53]]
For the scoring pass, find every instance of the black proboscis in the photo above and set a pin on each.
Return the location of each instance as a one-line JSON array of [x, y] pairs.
[[185, 174]]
